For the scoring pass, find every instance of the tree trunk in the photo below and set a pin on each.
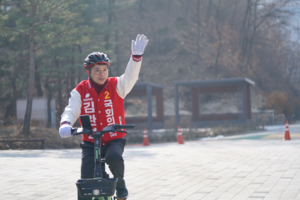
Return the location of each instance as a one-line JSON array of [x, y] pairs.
[[49, 98], [198, 30], [11, 110], [59, 97], [38, 85], [49, 95], [220, 39], [117, 63], [154, 38], [117, 53], [187, 2], [59, 82], [244, 31], [168, 11], [141, 9], [208, 10], [252, 35], [27, 118], [72, 78], [67, 87], [111, 3], [80, 71], [233, 13]]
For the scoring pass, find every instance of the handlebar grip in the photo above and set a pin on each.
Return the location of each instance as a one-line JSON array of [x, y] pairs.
[[127, 126], [74, 131], [78, 131]]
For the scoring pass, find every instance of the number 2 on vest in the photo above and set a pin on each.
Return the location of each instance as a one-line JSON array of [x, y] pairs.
[[106, 95]]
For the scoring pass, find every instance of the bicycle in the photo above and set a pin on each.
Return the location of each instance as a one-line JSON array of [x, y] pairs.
[[101, 187]]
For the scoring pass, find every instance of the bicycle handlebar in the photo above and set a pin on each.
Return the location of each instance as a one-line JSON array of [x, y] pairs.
[[107, 129]]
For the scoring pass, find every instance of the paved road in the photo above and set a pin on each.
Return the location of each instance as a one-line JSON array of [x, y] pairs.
[[216, 169]]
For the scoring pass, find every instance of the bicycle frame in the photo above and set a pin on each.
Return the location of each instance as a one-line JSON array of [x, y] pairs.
[[99, 188]]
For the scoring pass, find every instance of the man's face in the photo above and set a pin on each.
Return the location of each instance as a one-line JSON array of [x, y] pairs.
[[99, 73]]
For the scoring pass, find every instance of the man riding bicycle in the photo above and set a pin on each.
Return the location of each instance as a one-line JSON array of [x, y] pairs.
[[102, 98]]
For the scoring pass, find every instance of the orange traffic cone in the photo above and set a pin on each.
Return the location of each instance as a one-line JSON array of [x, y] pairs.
[[287, 132], [179, 136], [145, 139]]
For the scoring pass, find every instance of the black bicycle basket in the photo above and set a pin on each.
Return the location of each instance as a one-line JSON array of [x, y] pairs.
[[96, 187]]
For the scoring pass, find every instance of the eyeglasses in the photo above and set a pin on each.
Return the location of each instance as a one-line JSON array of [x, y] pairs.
[[98, 72]]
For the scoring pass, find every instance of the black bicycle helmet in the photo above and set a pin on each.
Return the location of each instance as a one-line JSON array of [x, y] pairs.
[[96, 58]]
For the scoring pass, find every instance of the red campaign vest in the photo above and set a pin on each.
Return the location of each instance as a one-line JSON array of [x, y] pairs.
[[104, 109]]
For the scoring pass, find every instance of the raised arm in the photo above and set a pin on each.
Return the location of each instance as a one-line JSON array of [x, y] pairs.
[[127, 80]]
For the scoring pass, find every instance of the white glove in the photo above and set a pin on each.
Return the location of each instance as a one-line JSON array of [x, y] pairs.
[[138, 46], [65, 131]]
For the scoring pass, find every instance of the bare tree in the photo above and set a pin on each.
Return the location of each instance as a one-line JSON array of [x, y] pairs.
[[13, 79], [260, 14], [219, 31], [198, 29], [33, 7], [110, 16], [208, 11]]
